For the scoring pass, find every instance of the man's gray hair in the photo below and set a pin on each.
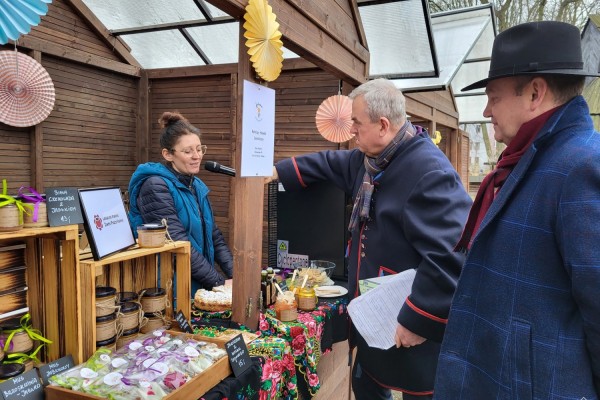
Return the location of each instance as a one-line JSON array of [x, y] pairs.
[[383, 99]]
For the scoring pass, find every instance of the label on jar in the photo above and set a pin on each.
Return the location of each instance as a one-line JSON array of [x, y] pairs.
[[288, 315], [307, 303]]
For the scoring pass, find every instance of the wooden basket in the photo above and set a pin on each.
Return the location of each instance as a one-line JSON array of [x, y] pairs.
[[9, 218], [42, 217]]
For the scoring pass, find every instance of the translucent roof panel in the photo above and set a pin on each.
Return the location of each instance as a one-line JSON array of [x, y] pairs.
[[470, 109], [218, 42], [162, 49], [124, 14], [398, 38], [455, 36], [470, 73]]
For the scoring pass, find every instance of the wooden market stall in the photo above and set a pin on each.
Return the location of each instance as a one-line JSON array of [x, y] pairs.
[[104, 120]]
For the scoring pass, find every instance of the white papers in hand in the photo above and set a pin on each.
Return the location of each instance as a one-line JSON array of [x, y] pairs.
[[374, 313]]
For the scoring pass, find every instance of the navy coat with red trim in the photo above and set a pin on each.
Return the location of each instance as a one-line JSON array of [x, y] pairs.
[[418, 210]]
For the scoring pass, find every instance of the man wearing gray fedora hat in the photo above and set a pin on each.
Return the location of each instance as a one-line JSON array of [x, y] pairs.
[[525, 318]]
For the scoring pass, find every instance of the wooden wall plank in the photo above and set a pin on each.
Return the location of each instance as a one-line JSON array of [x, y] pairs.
[[90, 137], [15, 157], [63, 26]]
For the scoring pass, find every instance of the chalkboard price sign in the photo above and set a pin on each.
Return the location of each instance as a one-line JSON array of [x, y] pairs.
[[25, 386], [239, 358], [62, 206], [183, 323], [55, 367]]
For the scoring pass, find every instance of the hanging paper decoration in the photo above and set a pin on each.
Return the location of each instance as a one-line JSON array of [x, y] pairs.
[[334, 118], [263, 39], [18, 16], [26, 90]]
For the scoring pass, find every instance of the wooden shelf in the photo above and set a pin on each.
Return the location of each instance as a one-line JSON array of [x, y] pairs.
[[51, 257], [133, 270]]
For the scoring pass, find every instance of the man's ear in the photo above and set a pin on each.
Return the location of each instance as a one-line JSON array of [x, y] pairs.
[[384, 125], [539, 92]]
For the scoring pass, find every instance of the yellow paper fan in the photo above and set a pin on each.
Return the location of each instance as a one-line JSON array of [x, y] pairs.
[[263, 39], [334, 118]]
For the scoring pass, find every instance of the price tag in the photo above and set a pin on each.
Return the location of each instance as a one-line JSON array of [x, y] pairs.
[[55, 367], [63, 207], [239, 358], [183, 322], [25, 386]]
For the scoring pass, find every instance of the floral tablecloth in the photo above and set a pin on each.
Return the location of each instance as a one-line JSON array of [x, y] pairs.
[[285, 345]]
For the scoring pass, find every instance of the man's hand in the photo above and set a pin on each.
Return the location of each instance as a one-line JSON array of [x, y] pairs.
[[406, 338], [275, 176]]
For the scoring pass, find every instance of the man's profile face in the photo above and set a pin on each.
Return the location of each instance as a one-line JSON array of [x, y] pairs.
[[507, 110], [366, 133]]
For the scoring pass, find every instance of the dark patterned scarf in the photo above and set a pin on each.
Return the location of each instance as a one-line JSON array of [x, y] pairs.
[[373, 166], [492, 183]]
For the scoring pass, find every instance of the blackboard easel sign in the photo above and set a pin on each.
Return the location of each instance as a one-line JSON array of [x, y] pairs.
[[239, 358], [63, 207], [26, 386], [55, 367]]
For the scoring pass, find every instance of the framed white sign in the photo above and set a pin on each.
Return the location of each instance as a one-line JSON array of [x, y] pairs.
[[105, 221]]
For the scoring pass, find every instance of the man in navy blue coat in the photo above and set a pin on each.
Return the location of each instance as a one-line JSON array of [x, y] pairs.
[[409, 211], [525, 319]]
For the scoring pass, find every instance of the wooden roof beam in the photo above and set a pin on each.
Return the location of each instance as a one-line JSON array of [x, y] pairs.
[[79, 56], [308, 31]]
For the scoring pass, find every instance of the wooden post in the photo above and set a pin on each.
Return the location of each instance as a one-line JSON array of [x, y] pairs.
[[246, 214], [37, 146], [143, 124]]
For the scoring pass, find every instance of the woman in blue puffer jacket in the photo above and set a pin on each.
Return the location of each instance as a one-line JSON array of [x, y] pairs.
[[171, 191]]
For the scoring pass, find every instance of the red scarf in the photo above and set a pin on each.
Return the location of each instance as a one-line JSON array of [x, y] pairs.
[[492, 183]]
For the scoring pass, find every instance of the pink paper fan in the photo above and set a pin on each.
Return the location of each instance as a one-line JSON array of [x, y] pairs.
[[26, 90], [334, 118]]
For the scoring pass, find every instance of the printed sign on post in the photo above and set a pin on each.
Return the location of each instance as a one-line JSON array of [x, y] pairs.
[[258, 130]]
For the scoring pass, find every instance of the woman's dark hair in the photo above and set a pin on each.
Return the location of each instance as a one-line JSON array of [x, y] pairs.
[[174, 126]]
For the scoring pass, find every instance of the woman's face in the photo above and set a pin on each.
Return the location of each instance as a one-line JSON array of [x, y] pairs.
[[186, 155]]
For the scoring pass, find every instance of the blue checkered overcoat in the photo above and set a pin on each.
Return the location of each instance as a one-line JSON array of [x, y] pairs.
[[525, 319]]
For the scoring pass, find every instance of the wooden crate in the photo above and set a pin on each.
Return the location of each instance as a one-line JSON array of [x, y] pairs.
[[193, 389], [134, 270], [51, 258]]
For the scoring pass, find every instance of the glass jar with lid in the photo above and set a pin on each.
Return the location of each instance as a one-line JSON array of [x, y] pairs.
[[307, 298]]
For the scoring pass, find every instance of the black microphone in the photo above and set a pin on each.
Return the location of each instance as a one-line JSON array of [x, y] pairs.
[[214, 166]]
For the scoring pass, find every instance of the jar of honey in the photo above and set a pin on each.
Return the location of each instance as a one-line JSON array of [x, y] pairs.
[[307, 299]]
